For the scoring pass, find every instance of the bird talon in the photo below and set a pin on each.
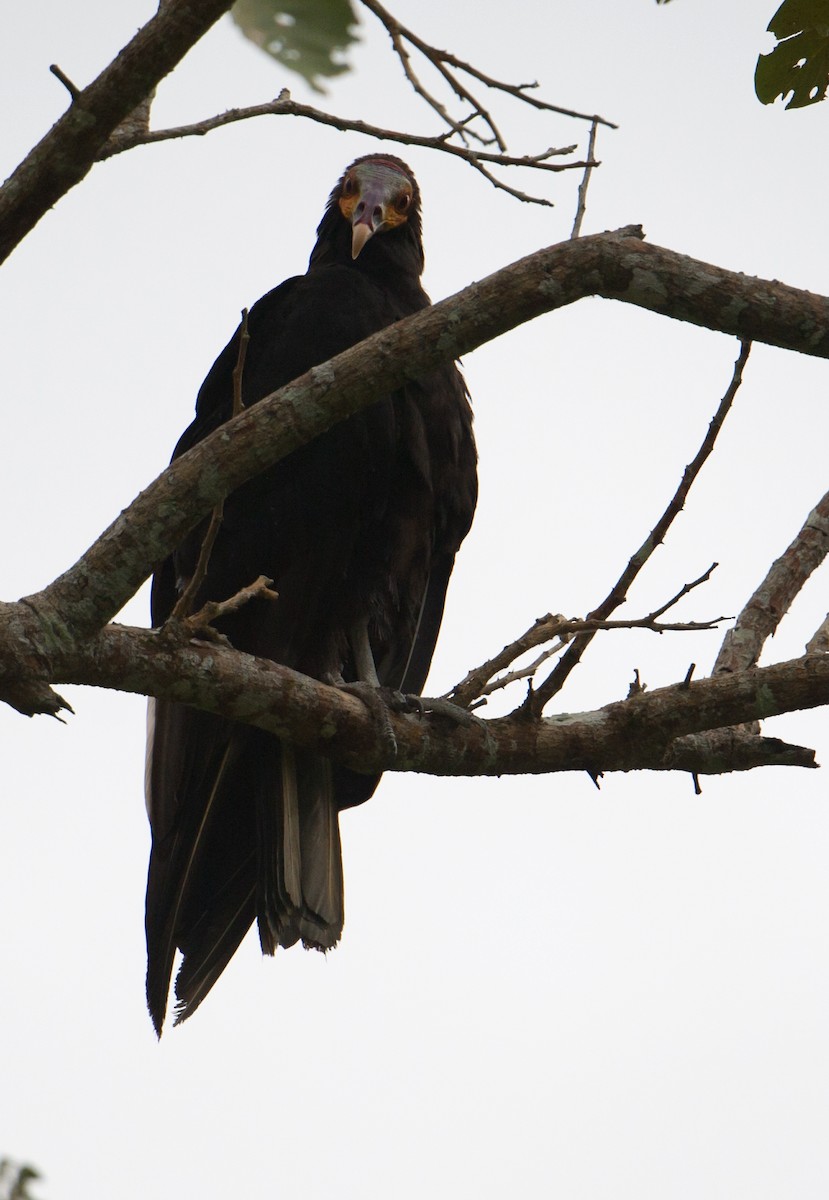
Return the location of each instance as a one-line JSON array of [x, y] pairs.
[[376, 700], [439, 707]]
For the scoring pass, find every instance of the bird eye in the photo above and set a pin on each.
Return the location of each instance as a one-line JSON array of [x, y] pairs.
[[349, 186], [403, 201]]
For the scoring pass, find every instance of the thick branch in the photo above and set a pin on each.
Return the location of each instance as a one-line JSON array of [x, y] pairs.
[[632, 734], [65, 155], [771, 601], [618, 266]]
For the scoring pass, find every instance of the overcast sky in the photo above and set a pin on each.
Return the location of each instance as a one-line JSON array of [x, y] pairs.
[[543, 989]]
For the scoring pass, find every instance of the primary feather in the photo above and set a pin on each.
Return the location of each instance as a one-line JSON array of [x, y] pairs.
[[359, 531]]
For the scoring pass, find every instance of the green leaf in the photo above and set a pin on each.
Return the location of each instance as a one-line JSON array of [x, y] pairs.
[[799, 63], [306, 36]]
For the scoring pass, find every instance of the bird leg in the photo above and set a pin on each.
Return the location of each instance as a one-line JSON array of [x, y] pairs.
[[363, 654], [382, 701], [367, 686]]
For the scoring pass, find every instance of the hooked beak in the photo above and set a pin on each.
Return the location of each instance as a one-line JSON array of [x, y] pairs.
[[360, 233], [369, 216]]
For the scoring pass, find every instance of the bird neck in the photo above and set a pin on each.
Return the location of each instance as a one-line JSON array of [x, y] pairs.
[[394, 258]]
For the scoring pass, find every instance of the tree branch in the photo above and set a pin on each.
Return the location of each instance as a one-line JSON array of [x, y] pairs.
[[771, 601], [448, 65], [65, 155], [284, 106], [633, 734], [554, 682], [615, 265]]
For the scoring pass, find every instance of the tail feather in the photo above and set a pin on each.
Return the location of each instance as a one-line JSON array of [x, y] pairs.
[[209, 950], [322, 860], [299, 878], [254, 836]]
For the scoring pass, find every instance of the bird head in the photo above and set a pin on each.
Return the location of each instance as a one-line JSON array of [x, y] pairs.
[[376, 195]]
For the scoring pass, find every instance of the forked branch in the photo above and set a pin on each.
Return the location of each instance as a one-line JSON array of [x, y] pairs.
[[537, 699]]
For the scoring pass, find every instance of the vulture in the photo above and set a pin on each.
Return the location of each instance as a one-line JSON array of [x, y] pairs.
[[358, 530]]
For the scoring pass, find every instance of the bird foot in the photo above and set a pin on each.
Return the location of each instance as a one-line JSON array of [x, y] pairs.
[[380, 703], [436, 706]]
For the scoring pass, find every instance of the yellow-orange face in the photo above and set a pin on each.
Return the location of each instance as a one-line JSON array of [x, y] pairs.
[[376, 196]]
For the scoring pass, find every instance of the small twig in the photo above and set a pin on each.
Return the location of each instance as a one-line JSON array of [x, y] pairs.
[[441, 60], [534, 705], [585, 181], [473, 683], [519, 673], [185, 601], [572, 627], [636, 687], [505, 187], [519, 92], [683, 591], [182, 606], [238, 370], [481, 682], [284, 106], [203, 620], [399, 35], [71, 88]]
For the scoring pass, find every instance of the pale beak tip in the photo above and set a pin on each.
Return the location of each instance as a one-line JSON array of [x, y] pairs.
[[359, 236]]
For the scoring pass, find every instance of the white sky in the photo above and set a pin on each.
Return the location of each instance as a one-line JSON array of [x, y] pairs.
[[543, 989]]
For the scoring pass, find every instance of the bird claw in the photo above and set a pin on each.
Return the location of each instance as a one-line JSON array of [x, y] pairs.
[[436, 706], [380, 704]]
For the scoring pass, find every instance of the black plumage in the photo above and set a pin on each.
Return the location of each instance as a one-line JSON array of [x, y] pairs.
[[359, 531]]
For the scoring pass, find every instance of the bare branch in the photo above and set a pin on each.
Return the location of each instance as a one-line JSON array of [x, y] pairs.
[[442, 61], [617, 266], [481, 680], [201, 622], [284, 106], [634, 734], [556, 679], [186, 599], [475, 681], [585, 183]]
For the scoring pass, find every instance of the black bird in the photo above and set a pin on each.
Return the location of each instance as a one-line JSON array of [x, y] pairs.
[[359, 531]]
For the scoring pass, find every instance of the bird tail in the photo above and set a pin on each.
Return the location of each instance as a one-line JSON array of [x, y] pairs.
[[299, 874], [255, 837]]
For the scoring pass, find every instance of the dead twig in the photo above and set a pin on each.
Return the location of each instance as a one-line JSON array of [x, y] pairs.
[[71, 88], [581, 206], [186, 599], [536, 700], [201, 622], [284, 106], [451, 68], [481, 681], [474, 682]]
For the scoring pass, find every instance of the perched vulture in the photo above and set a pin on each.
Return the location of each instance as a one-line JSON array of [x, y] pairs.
[[359, 531]]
